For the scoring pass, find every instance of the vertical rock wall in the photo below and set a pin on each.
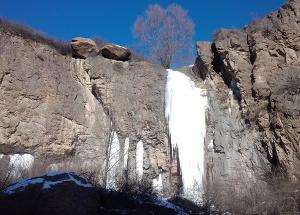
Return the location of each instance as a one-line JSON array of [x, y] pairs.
[[253, 78], [66, 112]]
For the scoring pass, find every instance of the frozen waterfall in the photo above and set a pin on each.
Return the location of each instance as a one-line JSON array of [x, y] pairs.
[[185, 114]]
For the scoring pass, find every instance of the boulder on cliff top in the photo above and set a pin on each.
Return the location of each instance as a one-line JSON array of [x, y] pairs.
[[84, 47], [116, 52]]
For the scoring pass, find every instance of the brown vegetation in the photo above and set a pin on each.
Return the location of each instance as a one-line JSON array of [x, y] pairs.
[[165, 33], [26, 32], [280, 198]]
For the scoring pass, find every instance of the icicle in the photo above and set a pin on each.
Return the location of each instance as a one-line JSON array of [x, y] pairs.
[[139, 159], [114, 159], [126, 148]]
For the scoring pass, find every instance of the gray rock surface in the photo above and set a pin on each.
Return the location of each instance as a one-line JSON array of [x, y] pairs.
[[64, 110], [253, 79]]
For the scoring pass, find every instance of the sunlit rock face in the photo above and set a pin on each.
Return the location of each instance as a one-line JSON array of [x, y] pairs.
[[185, 113], [64, 110], [252, 79]]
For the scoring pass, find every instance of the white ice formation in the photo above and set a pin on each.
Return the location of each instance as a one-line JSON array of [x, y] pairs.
[[139, 160], [185, 113]]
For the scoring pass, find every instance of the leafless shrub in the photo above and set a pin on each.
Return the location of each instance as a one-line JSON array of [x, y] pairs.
[[133, 186], [25, 32], [292, 83], [224, 34], [139, 58], [265, 25], [5, 173], [92, 176], [165, 33], [280, 198]]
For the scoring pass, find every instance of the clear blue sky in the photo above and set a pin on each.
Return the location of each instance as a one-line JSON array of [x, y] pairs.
[[113, 20]]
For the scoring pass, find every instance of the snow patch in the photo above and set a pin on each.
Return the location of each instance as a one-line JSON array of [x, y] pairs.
[[22, 184], [46, 184], [139, 160], [50, 184], [185, 113], [120, 46]]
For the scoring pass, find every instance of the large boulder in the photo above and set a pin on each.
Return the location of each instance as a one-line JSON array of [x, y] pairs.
[[84, 47], [115, 52], [67, 193]]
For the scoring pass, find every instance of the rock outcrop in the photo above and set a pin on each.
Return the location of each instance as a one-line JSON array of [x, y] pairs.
[[67, 193], [115, 52], [84, 47], [253, 79], [65, 112]]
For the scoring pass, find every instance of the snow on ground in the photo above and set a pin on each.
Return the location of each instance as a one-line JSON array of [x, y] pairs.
[[166, 204], [185, 113], [46, 183], [120, 46], [49, 184], [139, 159], [22, 184]]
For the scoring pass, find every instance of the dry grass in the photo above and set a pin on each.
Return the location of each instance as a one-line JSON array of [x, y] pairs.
[[26, 32], [280, 198], [133, 186], [92, 174]]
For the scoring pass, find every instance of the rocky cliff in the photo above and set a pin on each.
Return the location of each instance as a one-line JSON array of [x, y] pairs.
[[253, 78], [107, 116], [65, 112]]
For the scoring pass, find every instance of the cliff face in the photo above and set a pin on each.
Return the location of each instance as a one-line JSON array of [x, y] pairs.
[[66, 112], [107, 116], [253, 79]]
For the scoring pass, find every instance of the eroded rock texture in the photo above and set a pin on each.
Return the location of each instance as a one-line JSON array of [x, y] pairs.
[[64, 110], [253, 79]]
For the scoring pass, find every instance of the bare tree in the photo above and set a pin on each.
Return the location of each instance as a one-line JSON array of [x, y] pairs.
[[166, 34]]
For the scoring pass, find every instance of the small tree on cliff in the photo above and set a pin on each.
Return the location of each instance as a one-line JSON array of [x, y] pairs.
[[166, 34]]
